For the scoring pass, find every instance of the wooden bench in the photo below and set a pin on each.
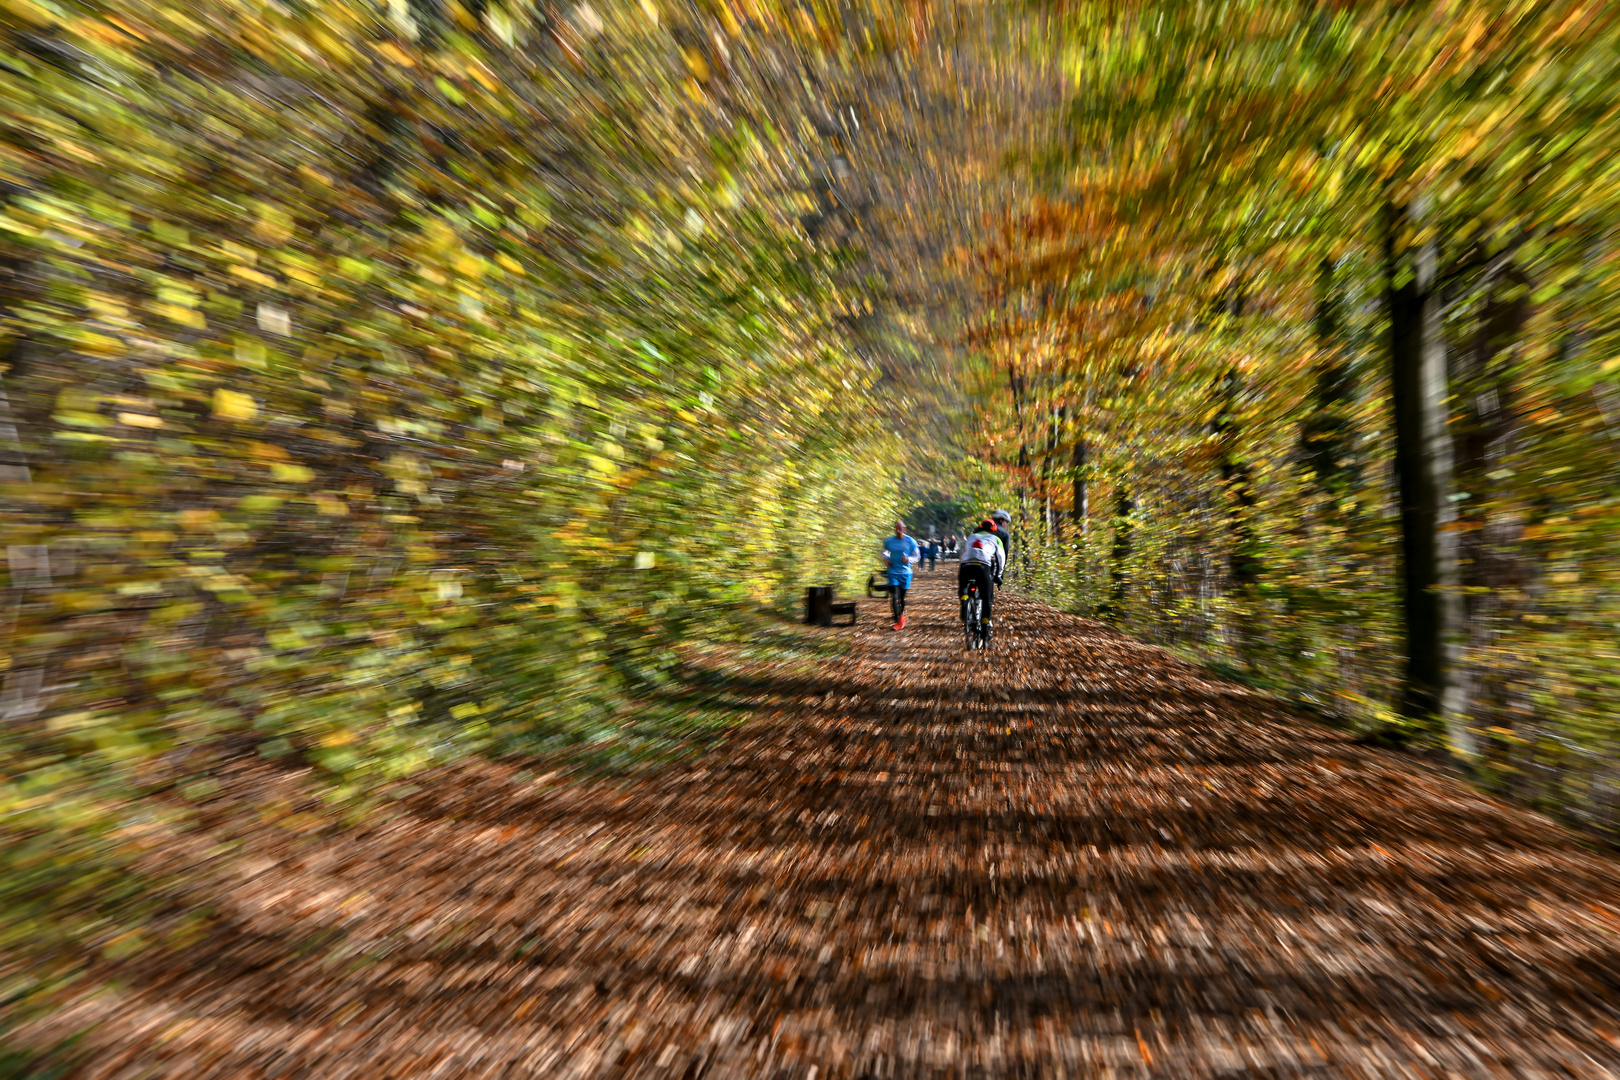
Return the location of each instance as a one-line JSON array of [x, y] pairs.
[[819, 607], [874, 587]]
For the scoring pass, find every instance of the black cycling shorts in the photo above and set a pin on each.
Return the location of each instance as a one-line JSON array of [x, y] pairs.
[[987, 587]]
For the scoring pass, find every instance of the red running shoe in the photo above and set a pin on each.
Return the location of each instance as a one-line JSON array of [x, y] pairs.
[[901, 625]]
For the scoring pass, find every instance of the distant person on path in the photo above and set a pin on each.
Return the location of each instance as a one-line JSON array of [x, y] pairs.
[[982, 561], [933, 553], [899, 552]]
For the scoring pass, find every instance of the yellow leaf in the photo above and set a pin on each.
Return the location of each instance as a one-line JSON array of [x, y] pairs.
[[256, 276], [274, 224], [697, 65], [477, 71], [181, 315], [69, 721], [395, 54], [232, 405], [27, 10], [292, 474], [139, 420]]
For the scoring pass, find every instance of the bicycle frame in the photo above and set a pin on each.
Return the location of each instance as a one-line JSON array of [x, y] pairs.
[[972, 623]]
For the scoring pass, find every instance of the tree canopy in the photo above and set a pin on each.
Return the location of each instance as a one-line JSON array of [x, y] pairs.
[[1301, 359]]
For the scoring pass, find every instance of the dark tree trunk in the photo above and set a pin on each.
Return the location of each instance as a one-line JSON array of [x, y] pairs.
[[1114, 609], [1082, 491], [1053, 434], [1237, 479], [1423, 472], [1015, 384], [1239, 500], [1326, 434]]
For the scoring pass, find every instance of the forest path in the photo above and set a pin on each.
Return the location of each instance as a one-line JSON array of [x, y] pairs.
[[1071, 856]]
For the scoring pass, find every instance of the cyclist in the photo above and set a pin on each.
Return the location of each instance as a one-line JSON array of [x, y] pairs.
[[1003, 523], [983, 561], [899, 552]]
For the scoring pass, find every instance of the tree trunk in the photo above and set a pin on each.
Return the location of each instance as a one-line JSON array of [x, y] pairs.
[[1238, 481], [1015, 384], [1114, 610], [1326, 434], [1053, 433], [1423, 471], [1082, 491], [1238, 500], [1237, 484], [23, 692]]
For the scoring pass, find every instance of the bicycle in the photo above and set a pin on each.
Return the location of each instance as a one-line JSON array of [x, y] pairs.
[[978, 634]]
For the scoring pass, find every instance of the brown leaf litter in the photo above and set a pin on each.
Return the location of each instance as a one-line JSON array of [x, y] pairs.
[[1071, 856]]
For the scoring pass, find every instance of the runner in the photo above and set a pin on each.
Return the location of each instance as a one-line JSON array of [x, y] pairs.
[[899, 552]]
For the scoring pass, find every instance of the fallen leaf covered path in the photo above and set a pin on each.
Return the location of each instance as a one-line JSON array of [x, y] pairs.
[[1070, 856]]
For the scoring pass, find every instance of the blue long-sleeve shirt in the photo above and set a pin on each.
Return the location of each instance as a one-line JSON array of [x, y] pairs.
[[901, 551]]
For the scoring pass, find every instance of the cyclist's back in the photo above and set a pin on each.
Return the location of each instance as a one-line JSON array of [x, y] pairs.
[[982, 563]]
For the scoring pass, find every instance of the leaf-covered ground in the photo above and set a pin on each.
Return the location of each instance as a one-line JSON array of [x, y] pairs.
[[1072, 856]]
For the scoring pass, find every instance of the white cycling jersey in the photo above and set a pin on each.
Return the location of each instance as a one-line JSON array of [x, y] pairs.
[[984, 549]]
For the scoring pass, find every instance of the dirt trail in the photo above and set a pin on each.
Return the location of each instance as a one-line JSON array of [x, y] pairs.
[[1072, 856]]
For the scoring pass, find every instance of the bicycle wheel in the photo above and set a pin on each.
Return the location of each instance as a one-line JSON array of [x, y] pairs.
[[973, 624]]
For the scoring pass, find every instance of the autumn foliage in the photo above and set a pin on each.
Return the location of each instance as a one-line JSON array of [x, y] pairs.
[[1303, 362]]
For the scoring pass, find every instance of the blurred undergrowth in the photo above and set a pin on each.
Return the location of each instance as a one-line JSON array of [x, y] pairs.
[[380, 389], [688, 710]]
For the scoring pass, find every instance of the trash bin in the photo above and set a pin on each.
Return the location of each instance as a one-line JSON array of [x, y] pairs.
[[818, 605]]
